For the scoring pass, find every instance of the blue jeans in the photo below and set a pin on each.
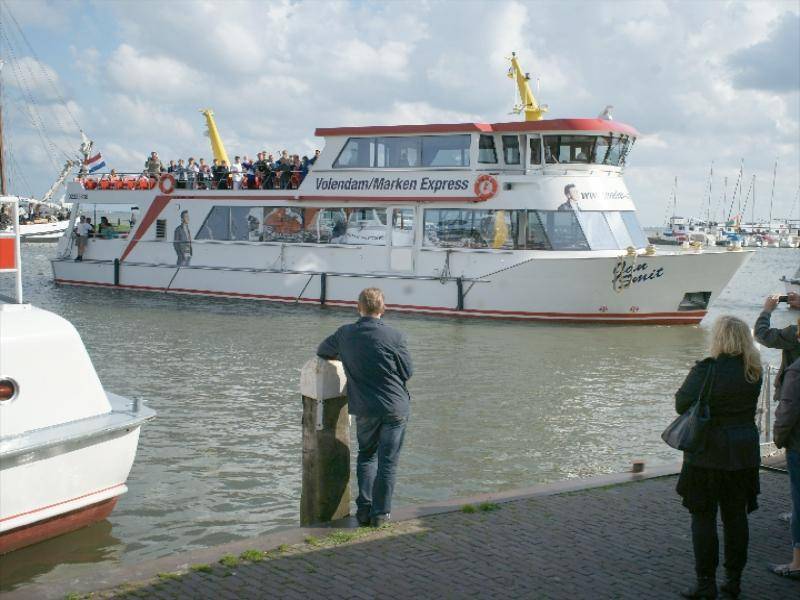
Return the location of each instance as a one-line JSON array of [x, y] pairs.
[[379, 442], [793, 464]]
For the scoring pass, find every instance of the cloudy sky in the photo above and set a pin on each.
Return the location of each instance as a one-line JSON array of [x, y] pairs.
[[702, 81]]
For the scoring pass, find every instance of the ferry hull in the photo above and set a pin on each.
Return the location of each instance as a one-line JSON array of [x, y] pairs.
[[644, 289]]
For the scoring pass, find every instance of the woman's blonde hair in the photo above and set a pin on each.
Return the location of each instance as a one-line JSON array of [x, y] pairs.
[[731, 336]]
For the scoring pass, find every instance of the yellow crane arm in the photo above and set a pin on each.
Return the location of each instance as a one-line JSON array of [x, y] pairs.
[[528, 106], [217, 147]]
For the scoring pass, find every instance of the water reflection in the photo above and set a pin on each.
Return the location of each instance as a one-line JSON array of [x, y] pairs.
[[86, 546]]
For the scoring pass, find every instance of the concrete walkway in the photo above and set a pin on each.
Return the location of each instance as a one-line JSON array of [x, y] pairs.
[[628, 540]]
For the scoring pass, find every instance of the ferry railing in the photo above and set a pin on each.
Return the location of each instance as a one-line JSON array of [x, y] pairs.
[[10, 257], [138, 181]]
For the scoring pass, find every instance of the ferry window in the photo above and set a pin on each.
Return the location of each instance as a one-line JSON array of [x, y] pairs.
[[445, 150], [216, 225], [602, 150], [357, 153], [567, 149], [638, 237], [486, 150], [363, 226], [240, 223], [511, 149], [403, 227], [596, 229], [619, 230], [322, 225], [282, 224], [536, 150], [562, 229], [454, 228], [397, 152], [536, 238], [617, 150]]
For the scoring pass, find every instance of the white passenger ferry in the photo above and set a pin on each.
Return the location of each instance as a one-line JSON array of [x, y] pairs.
[[522, 220]]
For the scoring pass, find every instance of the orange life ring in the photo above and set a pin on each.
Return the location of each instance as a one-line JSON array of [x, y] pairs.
[[167, 183], [486, 187]]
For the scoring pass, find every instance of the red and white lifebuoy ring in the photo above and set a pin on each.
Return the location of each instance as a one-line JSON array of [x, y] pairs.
[[486, 187], [167, 183]]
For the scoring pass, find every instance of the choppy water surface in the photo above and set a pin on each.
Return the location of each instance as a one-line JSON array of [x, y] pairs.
[[496, 405]]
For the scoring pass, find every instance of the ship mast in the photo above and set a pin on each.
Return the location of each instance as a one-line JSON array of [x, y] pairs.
[[2, 144], [528, 105], [217, 147]]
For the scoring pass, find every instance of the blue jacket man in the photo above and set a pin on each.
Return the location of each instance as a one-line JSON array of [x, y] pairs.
[[377, 364]]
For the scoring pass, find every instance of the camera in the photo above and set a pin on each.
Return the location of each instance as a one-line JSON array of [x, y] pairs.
[[783, 298]]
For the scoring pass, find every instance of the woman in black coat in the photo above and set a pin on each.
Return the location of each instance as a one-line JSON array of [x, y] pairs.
[[724, 476]]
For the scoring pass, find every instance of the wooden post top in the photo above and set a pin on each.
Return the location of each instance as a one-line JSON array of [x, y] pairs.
[[322, 379]]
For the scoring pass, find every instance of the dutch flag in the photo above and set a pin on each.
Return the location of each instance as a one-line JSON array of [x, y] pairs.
[[95, 163]]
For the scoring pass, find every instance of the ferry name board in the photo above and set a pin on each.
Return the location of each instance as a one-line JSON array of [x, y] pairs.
[[392, 184]]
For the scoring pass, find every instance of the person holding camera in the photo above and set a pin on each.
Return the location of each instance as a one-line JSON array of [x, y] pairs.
[[786, 339], [787, 435]]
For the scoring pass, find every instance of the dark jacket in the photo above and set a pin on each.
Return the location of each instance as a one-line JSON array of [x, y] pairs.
[[786, 430], [732, 442], [377, 364], [783, 339]]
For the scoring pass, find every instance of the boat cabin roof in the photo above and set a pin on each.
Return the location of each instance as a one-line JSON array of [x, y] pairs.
[[545, 125]]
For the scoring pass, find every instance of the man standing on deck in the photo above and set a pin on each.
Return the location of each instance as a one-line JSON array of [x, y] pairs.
[[786, 339], [377, 364]]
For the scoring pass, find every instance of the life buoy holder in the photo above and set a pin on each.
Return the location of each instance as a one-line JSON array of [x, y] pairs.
[[167, 184], [486, 187]]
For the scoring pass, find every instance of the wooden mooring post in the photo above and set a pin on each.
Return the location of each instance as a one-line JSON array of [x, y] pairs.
[[325, 494]]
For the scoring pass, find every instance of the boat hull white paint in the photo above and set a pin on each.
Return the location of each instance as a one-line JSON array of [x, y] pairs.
[[529, 285]]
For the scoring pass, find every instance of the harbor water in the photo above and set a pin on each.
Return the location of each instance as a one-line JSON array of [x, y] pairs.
[[496, 405]]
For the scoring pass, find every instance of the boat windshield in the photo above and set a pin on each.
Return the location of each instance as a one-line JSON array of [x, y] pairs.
[[586, 149]]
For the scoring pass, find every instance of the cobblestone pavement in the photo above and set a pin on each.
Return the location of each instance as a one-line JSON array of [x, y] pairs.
[[623, 541]]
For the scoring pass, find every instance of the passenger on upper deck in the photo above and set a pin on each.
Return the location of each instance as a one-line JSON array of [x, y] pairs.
[[153, 165], [236, 173], [220, 174]]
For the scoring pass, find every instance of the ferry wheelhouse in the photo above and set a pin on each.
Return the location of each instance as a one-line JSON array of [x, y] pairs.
[[521, 220]]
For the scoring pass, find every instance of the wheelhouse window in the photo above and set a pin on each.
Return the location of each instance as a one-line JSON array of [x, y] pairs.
[[404, 152], [487, 154], [456, 228], [536, 150], [357, 153], [445, 150], [511, 154], [594, 149], [397, 152]]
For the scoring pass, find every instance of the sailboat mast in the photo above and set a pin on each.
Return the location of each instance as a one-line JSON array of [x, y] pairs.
[[772, 197]]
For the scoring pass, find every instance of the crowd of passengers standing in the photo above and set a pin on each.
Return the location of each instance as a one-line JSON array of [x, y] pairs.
[[264, 172]]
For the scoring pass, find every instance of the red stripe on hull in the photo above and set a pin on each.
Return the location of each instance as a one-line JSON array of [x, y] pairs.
[[659, 318], [54, 526]]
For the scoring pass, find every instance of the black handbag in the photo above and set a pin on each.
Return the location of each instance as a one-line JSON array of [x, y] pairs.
[[688, 431]]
